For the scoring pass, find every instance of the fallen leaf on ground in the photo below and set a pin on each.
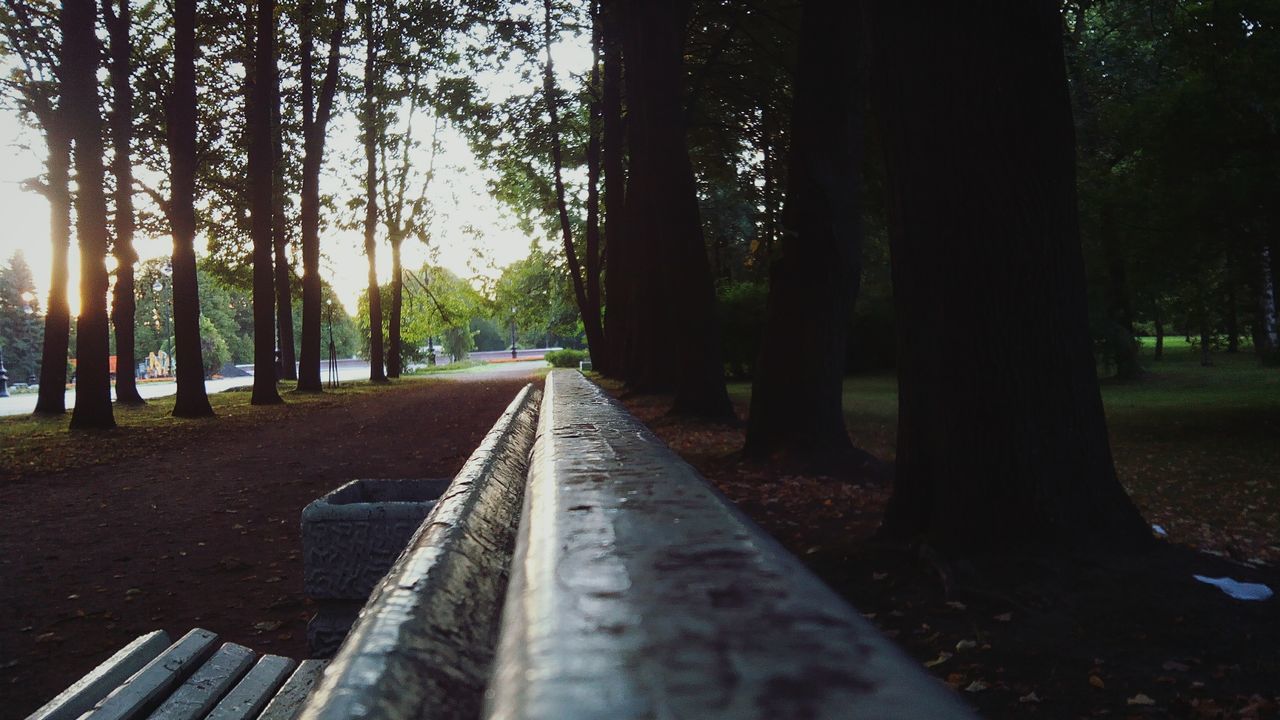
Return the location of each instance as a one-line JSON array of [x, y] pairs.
[[268, 625], [966, 645], [942, 657], [1003, 617], [1140, 699], [1096, 681], [976, 686], [1175, 665], [1030, 697]]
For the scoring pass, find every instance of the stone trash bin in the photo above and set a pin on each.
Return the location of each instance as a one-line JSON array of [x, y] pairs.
[[350, 539]]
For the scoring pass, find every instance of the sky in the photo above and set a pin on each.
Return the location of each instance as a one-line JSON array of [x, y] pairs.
[[473, 234]]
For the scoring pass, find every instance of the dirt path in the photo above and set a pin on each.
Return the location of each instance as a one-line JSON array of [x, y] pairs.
[[204, 535]]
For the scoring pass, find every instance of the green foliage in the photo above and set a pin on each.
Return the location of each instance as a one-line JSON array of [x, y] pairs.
[[537, 294], [567, 358], [21, 323], [741, 310], [213, 348]]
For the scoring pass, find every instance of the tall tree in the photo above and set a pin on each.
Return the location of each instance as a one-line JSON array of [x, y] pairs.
[[373, 126], [260, 83], [814, 276], [80, 52], [315, 121], [34, 40], [280, 238], [674, 342], [191, 400], [123, 297], [1001, 436], [586, 290]]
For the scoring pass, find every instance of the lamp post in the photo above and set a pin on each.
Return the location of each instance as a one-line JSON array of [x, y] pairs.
[[513, 333], [166, 342], [333, 349]]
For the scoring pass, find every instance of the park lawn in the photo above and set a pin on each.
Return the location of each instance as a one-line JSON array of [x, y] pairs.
[[1198, 448], [38, 445]]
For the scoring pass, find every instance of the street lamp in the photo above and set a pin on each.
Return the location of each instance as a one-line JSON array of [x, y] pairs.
[[333, 349], [513, 333], [167, 342]]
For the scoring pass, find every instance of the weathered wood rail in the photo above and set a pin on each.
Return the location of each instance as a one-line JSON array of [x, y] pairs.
[[577, 568]]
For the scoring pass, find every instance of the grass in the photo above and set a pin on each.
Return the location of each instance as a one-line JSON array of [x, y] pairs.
[[37, 445]]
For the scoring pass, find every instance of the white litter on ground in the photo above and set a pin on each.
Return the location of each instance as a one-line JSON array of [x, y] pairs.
[[1236, 589], [1159, 531]]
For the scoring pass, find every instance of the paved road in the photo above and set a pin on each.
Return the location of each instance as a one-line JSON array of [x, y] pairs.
[[348, 371]]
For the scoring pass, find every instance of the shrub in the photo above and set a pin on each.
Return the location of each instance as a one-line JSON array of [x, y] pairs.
[[566, 358]]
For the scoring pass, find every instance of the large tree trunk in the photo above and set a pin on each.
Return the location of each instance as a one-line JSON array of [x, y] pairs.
[[1002, 442], [191, 400], [123, 301], [52, 399], [377, 373], [80, 52], [280, 239], [813, 280], [259, 81], [616, 274], [675, 341], [315, 119]]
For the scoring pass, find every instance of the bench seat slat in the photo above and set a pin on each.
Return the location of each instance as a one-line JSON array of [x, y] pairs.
[[254, 691], [88, 690], [288, 702], [149, 685], [194, 698]]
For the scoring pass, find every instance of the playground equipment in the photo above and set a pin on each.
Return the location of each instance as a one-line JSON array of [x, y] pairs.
[[159, 365]]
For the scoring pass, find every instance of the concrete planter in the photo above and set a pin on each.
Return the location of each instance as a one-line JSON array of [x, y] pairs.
[[350, 538]]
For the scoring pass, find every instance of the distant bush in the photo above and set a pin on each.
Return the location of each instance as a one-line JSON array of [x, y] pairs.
[[566, 358], [741, 308]]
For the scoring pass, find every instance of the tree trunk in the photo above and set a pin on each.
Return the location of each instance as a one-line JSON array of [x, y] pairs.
[[813, 280], [1002, 442], [80, 52], [123, 301], [52, 399], [377, 373], [1233, 320], [315, 119], [1206, 358], [593, 190], [590, 314], [675, 344], [258, 81], [1267, 326], [612, 138], [394, 352], [1159, 353], [280, 240], [191, 400]]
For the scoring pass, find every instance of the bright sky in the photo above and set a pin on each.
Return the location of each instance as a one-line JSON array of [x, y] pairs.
[[459, 193]]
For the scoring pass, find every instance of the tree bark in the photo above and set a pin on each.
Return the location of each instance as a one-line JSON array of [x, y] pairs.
[[80, 52], [377, 373], [52, 399], [394, 349], [259, 81], [1002, 442], [123, 300], [191, 400], [1267, 331], [280, 239], [612, 140], [675, 343], [796, 399], [315, 120]]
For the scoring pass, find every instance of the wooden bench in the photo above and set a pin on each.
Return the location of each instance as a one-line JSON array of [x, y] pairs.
[[577, 568], [190, 679]]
